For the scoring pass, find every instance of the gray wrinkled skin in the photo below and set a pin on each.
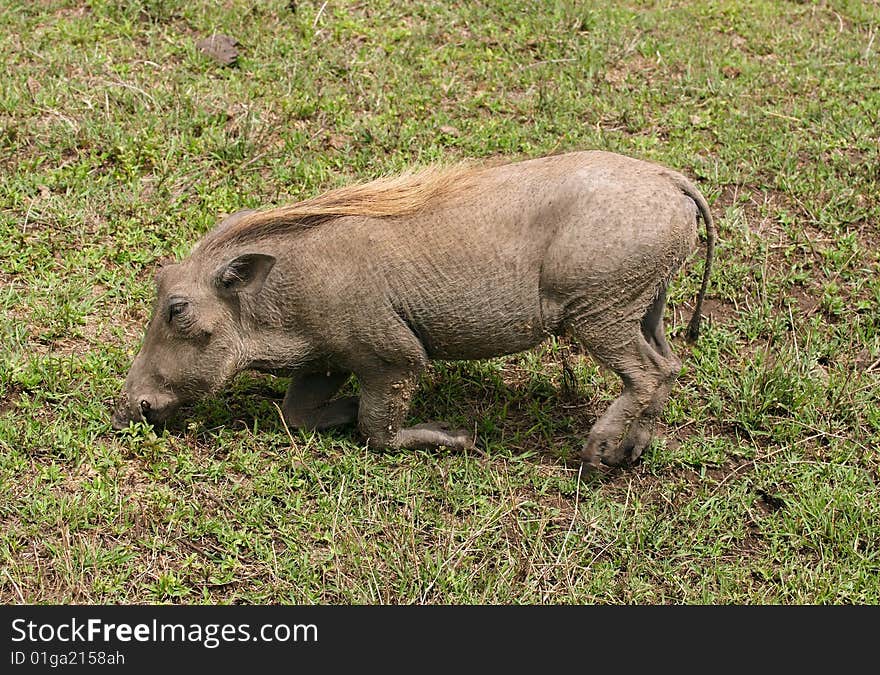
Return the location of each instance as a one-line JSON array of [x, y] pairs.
[[583, 244]]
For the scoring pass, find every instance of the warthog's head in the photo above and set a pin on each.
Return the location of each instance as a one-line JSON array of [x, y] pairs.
[[194, 341]]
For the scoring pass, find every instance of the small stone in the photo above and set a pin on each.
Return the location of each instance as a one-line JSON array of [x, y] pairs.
[[219, 47]]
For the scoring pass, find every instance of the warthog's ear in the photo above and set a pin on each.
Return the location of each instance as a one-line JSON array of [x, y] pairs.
[[247, 272]]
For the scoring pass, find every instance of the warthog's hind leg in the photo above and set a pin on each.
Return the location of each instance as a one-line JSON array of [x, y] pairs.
[[641, 430], [307, 404], [648, 369]]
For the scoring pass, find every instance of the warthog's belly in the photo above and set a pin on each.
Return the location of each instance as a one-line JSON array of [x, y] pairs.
[[473, 317]]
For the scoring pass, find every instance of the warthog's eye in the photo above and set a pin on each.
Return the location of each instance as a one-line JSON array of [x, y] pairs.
[[176, 308], [181, 315]]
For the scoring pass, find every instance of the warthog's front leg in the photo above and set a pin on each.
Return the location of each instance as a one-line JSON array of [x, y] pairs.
[[385, 398], [307, 404]]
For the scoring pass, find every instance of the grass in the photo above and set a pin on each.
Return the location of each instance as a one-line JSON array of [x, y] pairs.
[[121, 143]]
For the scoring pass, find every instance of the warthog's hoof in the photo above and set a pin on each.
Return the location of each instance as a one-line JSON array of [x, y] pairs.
[[610, 451]]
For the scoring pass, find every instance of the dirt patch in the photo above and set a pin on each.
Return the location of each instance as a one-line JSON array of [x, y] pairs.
[[10, 398], [769, 502], [869, 235], [719, 311], [72, 12], [618, 73], [675, 436], [807, 303]]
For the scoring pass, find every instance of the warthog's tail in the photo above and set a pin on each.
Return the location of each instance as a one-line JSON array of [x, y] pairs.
[[693, 330]]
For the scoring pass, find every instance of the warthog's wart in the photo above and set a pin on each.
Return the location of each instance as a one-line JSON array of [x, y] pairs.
[[462, 263]]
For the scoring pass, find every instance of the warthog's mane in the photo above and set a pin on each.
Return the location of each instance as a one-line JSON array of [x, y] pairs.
[[400, 195]]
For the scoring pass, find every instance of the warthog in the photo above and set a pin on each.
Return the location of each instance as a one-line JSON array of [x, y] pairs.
[[470, 262]]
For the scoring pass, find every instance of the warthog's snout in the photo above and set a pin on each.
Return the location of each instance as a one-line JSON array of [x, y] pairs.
[[150, 408]]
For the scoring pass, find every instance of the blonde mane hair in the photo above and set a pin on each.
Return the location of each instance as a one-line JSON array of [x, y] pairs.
[[386, 197]]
